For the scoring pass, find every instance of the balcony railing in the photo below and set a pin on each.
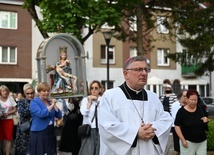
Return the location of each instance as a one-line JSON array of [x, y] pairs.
[[188, 71]]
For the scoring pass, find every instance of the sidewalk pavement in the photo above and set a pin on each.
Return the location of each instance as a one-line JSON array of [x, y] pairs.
[[169, 148]]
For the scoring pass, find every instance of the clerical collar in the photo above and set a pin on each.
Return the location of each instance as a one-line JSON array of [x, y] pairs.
[[136, 91], [133, 94]]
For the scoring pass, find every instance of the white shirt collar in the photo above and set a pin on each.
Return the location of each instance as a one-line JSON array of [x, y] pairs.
[[136, 91]]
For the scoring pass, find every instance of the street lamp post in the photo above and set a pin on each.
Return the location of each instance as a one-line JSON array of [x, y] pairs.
[[107, 35]]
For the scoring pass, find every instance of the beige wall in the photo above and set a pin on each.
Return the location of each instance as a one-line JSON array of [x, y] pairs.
[[167, 41], [99, 40]]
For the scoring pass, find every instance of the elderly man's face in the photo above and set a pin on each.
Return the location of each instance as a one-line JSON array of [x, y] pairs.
[[136, 75]]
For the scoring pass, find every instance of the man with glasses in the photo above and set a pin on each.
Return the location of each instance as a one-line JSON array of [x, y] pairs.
[[131, 119]]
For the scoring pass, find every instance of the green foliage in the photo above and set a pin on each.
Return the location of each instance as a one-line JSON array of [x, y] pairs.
[[196, 24], [71, 16], [210, 135]]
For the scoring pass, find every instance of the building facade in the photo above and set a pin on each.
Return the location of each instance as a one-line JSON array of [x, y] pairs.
[[15, 45], [20, 39]]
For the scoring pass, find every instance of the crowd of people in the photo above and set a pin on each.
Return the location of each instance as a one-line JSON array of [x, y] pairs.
[[125, 120]]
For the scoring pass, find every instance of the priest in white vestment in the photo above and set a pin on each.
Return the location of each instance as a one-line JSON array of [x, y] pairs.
[[132, 120]]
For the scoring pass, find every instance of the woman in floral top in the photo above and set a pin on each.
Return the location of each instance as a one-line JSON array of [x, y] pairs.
[[22, 137]]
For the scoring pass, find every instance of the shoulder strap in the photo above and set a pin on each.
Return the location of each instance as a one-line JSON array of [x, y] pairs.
[[95, 112]]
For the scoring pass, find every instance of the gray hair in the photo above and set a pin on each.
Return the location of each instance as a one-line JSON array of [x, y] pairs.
[[133, 59]]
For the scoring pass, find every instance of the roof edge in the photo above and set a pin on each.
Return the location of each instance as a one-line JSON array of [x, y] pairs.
[[11, 2]]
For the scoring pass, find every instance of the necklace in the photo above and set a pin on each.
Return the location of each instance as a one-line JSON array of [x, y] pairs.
[[135, 105]]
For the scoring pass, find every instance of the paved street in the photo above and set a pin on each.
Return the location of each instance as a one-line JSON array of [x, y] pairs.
[[169, 149]]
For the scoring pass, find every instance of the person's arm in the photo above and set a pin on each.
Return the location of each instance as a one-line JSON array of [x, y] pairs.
[[39, 109], [178, 121], [11, 112], [180, 135], [90, 99], [85, 106], [13, 106]]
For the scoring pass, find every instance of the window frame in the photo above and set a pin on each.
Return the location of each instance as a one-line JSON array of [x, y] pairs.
[[162, 56], [8, 55], [104, 84], [9, 25], [104, 60]]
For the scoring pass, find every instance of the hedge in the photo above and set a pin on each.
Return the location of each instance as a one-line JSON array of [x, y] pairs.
[[210, 135]]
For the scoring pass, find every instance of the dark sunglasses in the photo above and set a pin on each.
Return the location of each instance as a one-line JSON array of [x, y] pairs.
[[92, 88], [31, 93]]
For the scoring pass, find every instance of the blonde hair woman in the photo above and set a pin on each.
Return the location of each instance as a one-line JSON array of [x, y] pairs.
[[8, 107], [22, 137]]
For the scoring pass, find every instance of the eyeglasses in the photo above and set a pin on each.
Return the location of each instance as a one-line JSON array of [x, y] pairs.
[[92, 88], [139, 69], [31, 93]]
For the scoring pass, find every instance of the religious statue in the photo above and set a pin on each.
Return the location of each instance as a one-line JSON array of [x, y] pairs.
[[64, 80]]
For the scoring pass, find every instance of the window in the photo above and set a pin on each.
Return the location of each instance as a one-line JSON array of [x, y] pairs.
[[104, 54], [133, 52], [162, 22], [162, 57], [176, 86], [8, 55], [104, 83], [8, 20]]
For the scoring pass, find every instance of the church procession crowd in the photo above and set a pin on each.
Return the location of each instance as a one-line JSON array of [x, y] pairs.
[[125, 120]]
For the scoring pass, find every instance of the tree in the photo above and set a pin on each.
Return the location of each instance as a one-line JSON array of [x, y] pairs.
[[71, 16], [196, 24]]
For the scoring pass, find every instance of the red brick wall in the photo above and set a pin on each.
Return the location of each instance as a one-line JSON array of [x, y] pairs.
[[20, 38]]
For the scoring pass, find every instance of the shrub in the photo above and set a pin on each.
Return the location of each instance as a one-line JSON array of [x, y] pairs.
[[210, 135]]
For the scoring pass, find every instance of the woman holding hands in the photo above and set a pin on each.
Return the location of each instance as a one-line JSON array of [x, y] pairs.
[[191, 125], [43, 112], [88, 109]]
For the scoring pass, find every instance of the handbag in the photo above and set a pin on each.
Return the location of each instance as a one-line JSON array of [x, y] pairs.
[[84, 131], [25, 126], [59, 122], [15, 118]]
